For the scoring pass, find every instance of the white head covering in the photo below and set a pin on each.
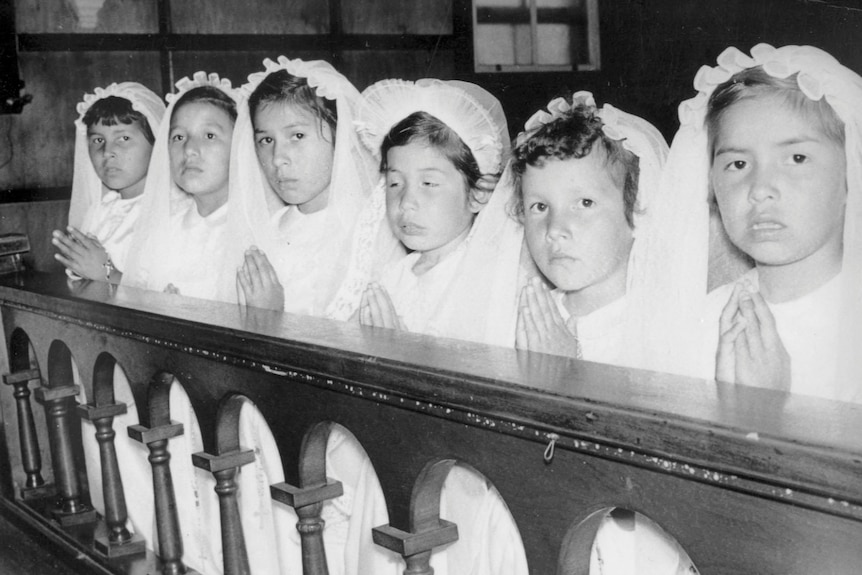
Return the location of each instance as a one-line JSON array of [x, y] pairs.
[[87, 188], [322, 275], [643, 140], [481, 303], [686, 188], [152, 243], [86, 185]]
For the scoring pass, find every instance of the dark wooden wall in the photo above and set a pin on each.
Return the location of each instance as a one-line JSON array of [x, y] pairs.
[[650, 51]]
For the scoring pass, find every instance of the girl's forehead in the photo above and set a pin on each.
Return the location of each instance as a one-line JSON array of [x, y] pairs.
[[281, 112], [770, 116], [108, 125], [418, 154], [200, 111]]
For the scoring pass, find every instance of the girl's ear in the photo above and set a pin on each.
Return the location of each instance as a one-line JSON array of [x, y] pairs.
[[480, 195]]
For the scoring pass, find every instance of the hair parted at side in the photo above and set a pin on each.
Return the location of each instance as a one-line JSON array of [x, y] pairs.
[[756, 82], [208, 95], [114, 110], [574, 135], [282, 87], [423, 128]]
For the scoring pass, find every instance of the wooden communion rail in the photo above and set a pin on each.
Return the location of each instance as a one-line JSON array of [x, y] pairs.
[[746, 480]]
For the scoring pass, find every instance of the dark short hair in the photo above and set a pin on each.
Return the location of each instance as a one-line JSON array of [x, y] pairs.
[[574, 135], [113, 110], [754, 82], [282, 87], [422, 127], [208, 95]]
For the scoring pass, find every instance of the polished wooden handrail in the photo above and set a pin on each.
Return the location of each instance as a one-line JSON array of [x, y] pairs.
[[685, 452]]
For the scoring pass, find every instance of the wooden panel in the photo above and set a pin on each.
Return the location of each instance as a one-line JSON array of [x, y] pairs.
[[42, 135], [397, 17], [116, 16], [37, 220], [366, 67], [258, 16]]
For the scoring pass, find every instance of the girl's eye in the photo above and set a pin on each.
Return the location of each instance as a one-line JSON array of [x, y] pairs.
[[211, 136], [264, 141], [298, 136], [799, 158], [429, 184], [177, 138], [126, 138], [538, 208], [737, 165], [586, 203]]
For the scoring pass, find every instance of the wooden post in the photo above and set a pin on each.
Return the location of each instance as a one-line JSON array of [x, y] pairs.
[[57, 400], [31, 459], [167, 522], [308, 503], [118, 541], [224, 467]]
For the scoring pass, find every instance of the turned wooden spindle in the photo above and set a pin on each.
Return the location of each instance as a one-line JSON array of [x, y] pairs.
[[224, 468], [426, 529], [167, 520], [57, 402], [118, 541], [308, 503], [31, 458]]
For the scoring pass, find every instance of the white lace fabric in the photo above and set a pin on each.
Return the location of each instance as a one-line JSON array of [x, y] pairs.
[[338, 258], [86, 209], [152, 254], [686, 187]]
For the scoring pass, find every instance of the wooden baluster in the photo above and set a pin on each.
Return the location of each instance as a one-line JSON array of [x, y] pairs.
[[57, 400], [167, 521], [224, 468], [34, 485], [427, 530], [308, 503], [119, 541]]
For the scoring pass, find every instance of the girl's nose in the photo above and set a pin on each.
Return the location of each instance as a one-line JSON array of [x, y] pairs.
[[281, 154], [763, 185], [558, 226], [409, 199]]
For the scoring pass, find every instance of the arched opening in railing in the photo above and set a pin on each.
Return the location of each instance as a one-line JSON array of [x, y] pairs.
[[618, 541]]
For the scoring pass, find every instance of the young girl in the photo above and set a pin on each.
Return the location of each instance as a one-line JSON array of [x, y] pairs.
[[775, 136], [442, 147], [309, 215], [113, 143], [179, 246], [585, 177], [438, 141]]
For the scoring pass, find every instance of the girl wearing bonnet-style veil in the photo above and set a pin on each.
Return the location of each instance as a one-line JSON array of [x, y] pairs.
[[114, 135], [308, 210], [180, 241], [775, 136], [442, 148]]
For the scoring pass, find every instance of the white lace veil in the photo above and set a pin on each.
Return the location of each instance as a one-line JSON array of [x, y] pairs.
[[86, 186], [322, 275], [481, 303], [151, 243], [686, 190], [643, 140]]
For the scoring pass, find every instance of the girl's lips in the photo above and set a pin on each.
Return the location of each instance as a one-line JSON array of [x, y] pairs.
[[410, 228]]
